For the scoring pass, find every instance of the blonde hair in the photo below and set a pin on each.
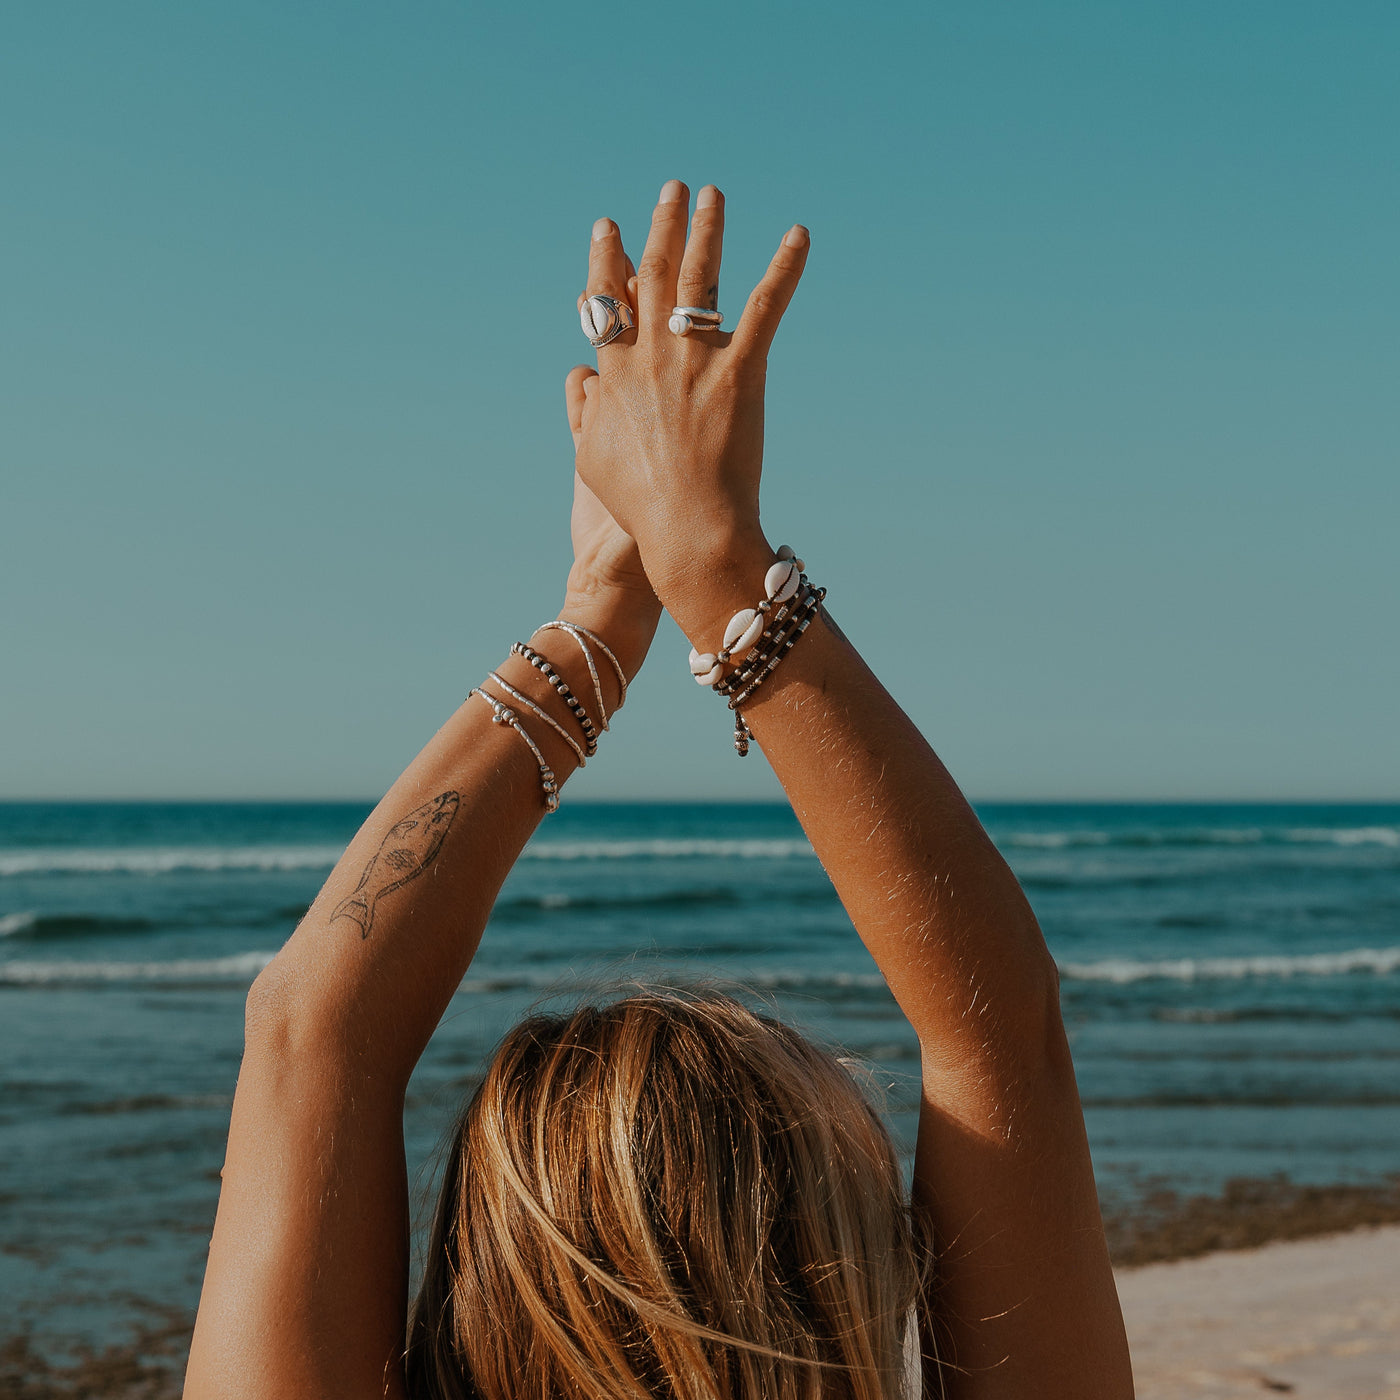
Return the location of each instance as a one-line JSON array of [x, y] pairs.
[[669, 1196]]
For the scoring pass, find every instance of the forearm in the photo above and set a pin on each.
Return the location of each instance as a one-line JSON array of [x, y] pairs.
[[370, 970], [1002, 1168], [304, 1291], [923, 883]]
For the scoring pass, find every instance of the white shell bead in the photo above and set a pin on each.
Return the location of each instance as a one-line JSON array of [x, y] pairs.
[[711, 677], [750, 635], [780, 582], [738, 625], [701, 662]]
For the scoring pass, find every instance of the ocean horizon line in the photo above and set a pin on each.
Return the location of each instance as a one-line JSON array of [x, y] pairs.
[[709, 801]]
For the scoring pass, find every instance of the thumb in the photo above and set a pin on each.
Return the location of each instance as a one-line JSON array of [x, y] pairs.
[[576, 388]]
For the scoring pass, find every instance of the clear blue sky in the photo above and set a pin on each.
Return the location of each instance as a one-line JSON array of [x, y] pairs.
[[1088, 412]]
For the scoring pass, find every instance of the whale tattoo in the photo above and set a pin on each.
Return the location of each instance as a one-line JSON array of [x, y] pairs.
[[405, 853]]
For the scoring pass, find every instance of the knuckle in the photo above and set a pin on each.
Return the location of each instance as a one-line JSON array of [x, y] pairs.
[[763, 302], [656, 266]]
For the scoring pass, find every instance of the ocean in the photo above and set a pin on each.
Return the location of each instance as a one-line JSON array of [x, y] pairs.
[[1231, 985]]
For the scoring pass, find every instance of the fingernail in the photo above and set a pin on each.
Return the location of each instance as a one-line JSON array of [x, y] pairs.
[[602, 228], [707, 197], [796, 237], [670, 192]]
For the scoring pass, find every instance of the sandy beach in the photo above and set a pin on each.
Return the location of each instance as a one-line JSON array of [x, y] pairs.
[[1312, 1318]]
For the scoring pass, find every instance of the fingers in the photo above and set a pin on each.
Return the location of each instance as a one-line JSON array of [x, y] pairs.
[[698, 284], [576, 390], [661, 259], [768, 300], [607, 263], [608, 270]]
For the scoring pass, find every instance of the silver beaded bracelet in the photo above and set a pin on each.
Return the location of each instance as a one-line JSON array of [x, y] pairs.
[[503, 714], [579, 633], [543, 666], [542, 713]]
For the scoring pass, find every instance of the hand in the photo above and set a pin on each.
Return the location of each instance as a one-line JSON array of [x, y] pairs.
[[608, 589], [671, 437]]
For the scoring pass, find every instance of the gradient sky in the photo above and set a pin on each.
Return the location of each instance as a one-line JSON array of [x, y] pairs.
[[1087, 412]]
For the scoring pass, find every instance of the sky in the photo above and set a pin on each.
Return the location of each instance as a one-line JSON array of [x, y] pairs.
[[1087, 412]]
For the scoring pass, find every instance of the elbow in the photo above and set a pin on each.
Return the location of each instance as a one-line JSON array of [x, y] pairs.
[[265, 1011]]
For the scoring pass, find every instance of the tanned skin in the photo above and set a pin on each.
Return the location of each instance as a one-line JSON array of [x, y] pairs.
[[305, 1293]]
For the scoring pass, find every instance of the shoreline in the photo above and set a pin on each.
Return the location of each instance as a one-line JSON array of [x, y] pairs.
[[1163, 1226], [1266, 1286]]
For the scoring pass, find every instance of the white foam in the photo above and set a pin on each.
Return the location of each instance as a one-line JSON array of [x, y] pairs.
[[1377, 960], [162, 860], [165, 860], [11, 924], [669, 849], [1053, 840], [241, 967], [1347, 835]]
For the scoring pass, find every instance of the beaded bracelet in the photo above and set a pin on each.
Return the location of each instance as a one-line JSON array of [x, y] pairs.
[[503, 714], [748, 624], [578, 633], [760, 638], [742, 685], [779, 626], [543, 714], [590, 730]]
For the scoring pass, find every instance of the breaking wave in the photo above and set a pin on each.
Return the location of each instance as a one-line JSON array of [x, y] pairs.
[[1380, 961]]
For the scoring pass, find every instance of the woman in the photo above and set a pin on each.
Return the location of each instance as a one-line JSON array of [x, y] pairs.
[[670, 1196]]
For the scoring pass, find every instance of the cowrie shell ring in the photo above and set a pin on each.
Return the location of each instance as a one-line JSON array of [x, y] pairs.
[[604, 319]]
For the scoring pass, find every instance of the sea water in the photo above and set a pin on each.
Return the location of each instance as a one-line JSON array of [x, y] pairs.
[[1230, 982]]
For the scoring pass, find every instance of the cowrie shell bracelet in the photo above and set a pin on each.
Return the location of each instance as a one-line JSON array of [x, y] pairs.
[[757, 639]]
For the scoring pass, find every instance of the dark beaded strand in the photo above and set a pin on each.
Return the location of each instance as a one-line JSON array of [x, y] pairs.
[[760, 649], [785, 626], [770, 642], [541, 664]]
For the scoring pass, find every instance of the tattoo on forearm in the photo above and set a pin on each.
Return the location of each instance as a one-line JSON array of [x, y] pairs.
[[831, 624], [404, 854]]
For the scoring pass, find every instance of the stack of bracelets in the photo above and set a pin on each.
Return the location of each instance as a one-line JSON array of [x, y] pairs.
[[502, 713], [757, 639]]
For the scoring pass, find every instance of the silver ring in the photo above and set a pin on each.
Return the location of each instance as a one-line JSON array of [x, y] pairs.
[[685, 319], [604, 319]]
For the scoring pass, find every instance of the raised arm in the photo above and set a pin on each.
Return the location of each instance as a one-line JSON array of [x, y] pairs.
[[306, 1287], [672, 443]]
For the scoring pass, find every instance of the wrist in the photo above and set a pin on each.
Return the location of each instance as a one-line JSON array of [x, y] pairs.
[[703, 586], [625, 618]]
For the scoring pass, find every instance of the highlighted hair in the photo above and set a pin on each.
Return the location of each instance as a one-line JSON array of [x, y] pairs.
[[666, 1198]]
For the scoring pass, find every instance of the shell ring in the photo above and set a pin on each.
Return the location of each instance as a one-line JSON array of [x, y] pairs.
[[604, 318], [685, 319]]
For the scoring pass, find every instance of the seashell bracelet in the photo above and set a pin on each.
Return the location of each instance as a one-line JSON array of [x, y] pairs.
[[747, 625], [757, 639]]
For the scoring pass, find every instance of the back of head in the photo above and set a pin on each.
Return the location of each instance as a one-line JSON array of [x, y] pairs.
[[668, 1196]]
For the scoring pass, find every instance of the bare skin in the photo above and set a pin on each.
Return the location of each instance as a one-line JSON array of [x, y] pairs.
[[305, 1290]]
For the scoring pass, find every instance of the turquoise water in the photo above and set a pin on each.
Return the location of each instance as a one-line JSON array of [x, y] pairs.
[[1231, 983]]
